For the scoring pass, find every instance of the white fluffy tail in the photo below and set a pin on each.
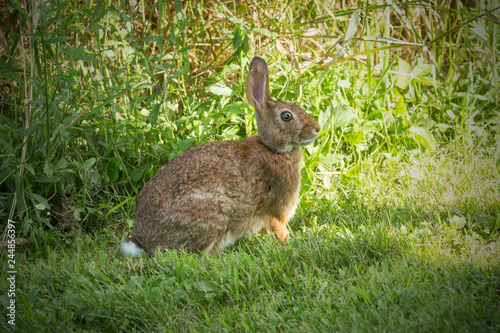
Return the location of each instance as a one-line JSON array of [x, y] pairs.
[[129, 248]]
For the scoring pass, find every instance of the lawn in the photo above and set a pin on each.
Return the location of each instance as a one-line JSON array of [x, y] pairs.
[[398, 222], [370, 265]]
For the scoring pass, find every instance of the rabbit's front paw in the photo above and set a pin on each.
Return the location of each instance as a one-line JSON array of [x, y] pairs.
[[280, 229]]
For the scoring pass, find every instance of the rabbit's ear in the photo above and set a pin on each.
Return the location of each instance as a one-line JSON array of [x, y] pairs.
[[257, 85]]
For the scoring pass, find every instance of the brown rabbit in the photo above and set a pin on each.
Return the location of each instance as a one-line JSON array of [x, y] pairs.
[[216, 193]]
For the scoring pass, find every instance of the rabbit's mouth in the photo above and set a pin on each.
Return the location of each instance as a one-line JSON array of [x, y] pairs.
[[308, 136], [307, 141]]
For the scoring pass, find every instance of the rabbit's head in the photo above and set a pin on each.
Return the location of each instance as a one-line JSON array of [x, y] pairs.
[[282, 126]]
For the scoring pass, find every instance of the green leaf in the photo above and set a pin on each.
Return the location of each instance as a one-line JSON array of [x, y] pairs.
[[443, 127], [61, 164], [332, 159], [9, 67], [479, 29], [458, 222], [39, 199], [137, 174], [30, 130], [137, 86], [180, 71], [118, 72], [35, 101], [371, 126], [403, 76], [117, 206], [234, 108], [245, 46], [29, 168], [205, 286], [88, 163], [400, 106], [354, 138], [355, 170], [421, 70], [179, 295], [153, 38], [48, 169], [220, 89], [179, 7], [237, 40], [86, 57], [263, 31], [163, 66], [97, 9], [403, 66], [390, 40], [186, 49], [344, 84], [352, 28], [112, 168], [424, 137], [186, 144], [97, 16], [58, 39], [324, 118], [343, 116], [173, 40], [63, 132]]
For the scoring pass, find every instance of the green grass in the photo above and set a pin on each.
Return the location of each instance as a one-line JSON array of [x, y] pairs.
[[351, 269], [385, 259], [398, 225]]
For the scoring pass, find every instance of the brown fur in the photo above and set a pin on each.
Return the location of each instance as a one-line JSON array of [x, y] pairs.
[[214, 193]]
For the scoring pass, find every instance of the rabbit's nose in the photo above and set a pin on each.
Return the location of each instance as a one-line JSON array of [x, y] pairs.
[[315, 131]]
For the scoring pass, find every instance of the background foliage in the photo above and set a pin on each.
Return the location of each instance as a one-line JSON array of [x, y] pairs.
[[96, 96]]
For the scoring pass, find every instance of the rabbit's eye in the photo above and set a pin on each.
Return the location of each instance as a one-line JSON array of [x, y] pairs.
[[286, 116]]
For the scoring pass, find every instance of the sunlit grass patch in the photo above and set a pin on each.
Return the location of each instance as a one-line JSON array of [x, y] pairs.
[[334, 276]]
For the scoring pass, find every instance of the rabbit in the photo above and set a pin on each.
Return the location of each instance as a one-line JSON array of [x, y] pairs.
[[215, 193]]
